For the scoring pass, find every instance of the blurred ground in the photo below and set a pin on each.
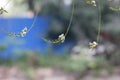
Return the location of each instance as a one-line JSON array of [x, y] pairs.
[[14, 73]]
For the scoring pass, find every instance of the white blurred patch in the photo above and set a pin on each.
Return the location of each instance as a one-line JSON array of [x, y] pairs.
[[2, 2], [67, 2]]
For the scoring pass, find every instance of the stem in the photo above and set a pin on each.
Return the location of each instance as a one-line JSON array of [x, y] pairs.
[[70, 19], [99, 20], [33, 22]]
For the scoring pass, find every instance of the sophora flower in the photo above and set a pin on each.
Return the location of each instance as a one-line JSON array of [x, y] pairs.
[[2, 10], [24, 32], [60, 39], [115, 8], [92, 2], [93, 45], [20, 34]]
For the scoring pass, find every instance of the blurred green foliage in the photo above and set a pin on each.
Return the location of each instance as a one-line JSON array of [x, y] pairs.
[[2, 48], [30, 60], [85, 21]]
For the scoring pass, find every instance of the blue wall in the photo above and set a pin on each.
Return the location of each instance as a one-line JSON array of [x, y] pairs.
[[32, 41]]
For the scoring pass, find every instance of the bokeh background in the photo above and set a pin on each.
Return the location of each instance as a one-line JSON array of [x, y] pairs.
[[30, 58]]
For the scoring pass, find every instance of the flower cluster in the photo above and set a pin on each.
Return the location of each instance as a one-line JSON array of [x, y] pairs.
[[115, 8], [2, 10], [93, 45], [92, 2], [20, 34], [24, 32], [61, 38]]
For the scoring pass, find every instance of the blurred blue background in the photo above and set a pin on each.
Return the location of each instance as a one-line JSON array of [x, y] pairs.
[[30, 42]]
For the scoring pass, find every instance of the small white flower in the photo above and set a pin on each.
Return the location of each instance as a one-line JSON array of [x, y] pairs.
[[25, 29], [62, 38], [94, 3], [93, 45], [24, 32]]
